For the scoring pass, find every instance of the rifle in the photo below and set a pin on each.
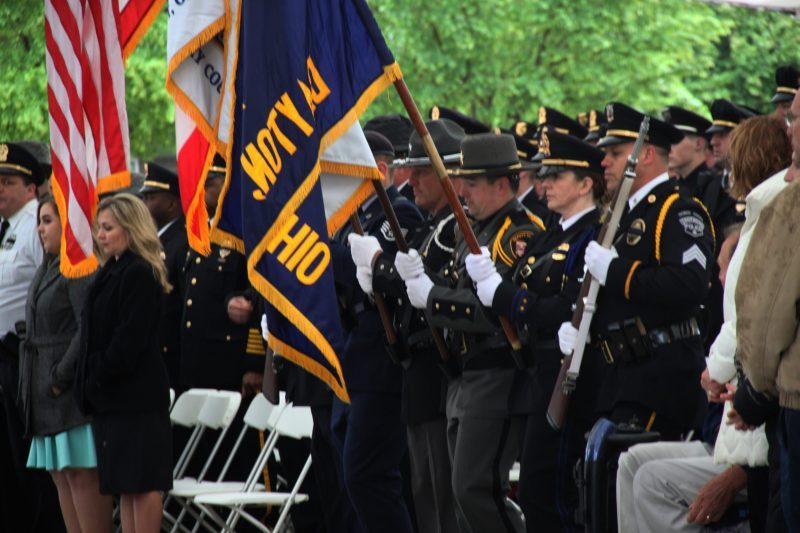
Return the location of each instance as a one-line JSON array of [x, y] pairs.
[[587, 299]]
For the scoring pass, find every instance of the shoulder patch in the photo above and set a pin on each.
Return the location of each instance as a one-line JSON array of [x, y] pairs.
[[386, 231], [692, 222]]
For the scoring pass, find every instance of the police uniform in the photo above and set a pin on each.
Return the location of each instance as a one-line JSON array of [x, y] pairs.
[[596, 126], [484, 403], [646, 324], [397, 129], [368, 432], [27, 497], [538, 296], [422, 407], [175, 245]]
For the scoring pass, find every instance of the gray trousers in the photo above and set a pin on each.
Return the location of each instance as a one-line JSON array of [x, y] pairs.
[[483, 439], [656, 483], [434, 504]]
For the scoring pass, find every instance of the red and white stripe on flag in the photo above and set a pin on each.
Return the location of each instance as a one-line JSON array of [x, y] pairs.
[[88, 121], [135, 17]]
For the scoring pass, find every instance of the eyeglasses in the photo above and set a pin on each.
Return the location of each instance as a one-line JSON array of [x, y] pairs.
[[789, 118]]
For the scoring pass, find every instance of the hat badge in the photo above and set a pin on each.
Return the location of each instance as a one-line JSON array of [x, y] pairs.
[[544, 145], [3, 152], [521, 128], [610, 112], [435, 112], [542, 115]]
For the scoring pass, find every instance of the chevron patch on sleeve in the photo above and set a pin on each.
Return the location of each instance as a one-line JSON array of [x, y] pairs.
[[694, 254]]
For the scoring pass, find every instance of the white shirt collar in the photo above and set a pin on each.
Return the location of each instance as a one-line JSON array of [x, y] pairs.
[[166, 226], [400, 187], [368, 202], [526, 193], [566, 224], [646, 188]]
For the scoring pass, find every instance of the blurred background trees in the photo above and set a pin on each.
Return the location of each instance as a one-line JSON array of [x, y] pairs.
[[498, 60]]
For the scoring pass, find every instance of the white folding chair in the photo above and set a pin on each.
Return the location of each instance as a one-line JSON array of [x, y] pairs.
[[217, 413], [186, 413], [171, 398], [296, 423], [260, 416]]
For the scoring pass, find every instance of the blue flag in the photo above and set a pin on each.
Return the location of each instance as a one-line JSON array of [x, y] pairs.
[[306, 70]]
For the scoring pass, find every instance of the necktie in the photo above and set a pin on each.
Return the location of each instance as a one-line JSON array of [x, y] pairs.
[[3, 229]]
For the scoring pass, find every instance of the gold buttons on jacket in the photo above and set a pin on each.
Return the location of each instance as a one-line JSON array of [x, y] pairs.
[[194, 281], [227, 338], [197, 260], [188, 323], [189, 302]]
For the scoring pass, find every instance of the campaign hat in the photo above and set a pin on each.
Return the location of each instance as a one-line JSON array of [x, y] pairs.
[[446, 136], [488, 155], [396, 128]]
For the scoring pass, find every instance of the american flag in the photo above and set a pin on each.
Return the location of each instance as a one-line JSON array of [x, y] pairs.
[[86, 43]]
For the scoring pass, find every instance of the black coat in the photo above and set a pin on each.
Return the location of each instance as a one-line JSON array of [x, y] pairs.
[[175, 245], [120, 369], [666, 254]]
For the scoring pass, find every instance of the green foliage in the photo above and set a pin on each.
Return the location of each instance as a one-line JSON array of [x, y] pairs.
[[496, 59]]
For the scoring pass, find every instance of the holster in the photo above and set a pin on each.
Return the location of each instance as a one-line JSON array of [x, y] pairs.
[[624, 342]]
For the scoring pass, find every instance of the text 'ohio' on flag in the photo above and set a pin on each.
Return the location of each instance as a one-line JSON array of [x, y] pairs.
[[298, 160], [86, 43]]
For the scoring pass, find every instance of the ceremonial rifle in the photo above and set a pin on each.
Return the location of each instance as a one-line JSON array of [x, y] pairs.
[[452, 198], [587, 299]]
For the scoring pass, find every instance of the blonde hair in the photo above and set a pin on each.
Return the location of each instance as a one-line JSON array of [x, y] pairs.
[[134, 218]]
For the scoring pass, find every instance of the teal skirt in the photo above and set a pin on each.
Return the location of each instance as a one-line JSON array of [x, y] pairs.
[[73, 448]]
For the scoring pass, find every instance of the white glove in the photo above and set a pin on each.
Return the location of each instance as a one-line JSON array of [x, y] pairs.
[[409, 265], [487, 287], [364, 277], [598, 259], [480, 266], [567, 334], [418, 289], [363, 248], [264, 330]]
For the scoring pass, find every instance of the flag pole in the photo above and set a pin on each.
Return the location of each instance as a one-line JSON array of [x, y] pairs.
[[447, 185]]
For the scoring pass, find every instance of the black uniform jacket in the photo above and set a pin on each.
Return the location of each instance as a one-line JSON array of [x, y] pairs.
[[175, 245], [121, 368], [366, 364], [423, 381], [666, 251], [216, 352], [539, 295]]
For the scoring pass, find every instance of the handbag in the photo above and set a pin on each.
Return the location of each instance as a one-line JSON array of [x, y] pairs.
[[740, 447]]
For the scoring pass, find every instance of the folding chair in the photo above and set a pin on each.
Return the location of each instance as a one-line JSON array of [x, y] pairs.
[[186, 413], [260, 416], [297, 424], [171, 398], [217, 413]]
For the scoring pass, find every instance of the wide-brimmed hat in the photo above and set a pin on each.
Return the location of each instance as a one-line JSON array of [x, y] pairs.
[[787, 80], [558, 152], [623, 127], [446, 136], [687, 121], [488, 155], [14, 159], [725, 115]]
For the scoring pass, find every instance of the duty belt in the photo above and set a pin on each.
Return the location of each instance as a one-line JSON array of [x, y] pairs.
[[629, 340]]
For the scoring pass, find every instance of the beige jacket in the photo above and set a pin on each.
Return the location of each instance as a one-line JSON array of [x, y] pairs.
[[767, 299]]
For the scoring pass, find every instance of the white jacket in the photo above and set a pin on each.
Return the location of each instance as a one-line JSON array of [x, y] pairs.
[[720, 358]]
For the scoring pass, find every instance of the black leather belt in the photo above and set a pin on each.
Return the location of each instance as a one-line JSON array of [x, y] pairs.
[[629, 340]]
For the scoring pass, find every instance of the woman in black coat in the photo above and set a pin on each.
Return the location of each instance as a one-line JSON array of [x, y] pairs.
[[122, 379], [62, 440], [539, 297]]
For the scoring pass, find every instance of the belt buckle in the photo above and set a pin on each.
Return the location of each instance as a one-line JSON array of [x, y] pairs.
[[525, 271], [609, 357]]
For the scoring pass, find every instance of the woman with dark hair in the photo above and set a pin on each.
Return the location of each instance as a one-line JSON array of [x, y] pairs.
[[539, 297], [62, 439], [122, 379]]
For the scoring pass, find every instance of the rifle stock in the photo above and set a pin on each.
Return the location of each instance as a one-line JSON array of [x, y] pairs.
[[587, 298]]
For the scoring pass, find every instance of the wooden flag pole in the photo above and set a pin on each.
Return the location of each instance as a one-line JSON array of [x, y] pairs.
[[447, 185]]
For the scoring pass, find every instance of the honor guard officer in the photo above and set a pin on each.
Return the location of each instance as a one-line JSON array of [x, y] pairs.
[[558, 121], [41, 151], [654, 279], [369, 432], [423, 381], [725, 116], [484, 403], [787, 81], [687, 164], [27, 497], [530, 192], [538, 296], [162, 197], [397, 129]]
